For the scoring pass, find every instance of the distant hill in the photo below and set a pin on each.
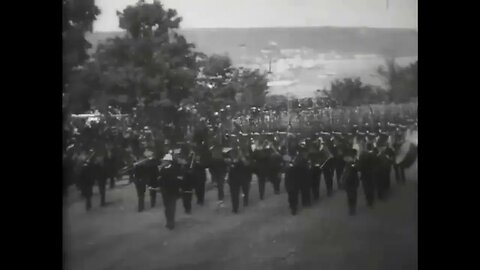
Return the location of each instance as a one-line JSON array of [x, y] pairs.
[[380, 41]]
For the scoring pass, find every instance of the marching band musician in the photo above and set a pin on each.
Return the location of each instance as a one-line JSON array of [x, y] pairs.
[[385, 160], [144, 175], [338, 151], [274, 166], [261, 170], [198, 169], [86, 177], [169, 182], [350, 179], [291, 182], [111, 163], [366, 166], [238, 177], [318, 157], [303, 166], [329, 166], [188, 182], [398, 140], [218, 170]]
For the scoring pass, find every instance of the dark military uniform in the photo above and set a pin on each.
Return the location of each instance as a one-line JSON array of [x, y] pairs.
[[275, 167], [399, 170], [367, 166], [328, 170], [339, 163], [385, 160], [351, 182], [218, 170], [86, 182], [188, 184], [292, 185], [262, 159], [145, 174], [302, 173], [317, 159], [170, 183], [111, 165], [238, 178], [199, 175]]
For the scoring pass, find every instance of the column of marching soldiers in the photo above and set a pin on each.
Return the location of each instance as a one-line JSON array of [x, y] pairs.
[[362, 154]]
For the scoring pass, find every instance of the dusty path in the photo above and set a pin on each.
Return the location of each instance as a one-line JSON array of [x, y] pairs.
[[263, 236]]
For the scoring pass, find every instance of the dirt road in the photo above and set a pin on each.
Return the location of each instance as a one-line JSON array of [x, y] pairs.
[[262, 236]]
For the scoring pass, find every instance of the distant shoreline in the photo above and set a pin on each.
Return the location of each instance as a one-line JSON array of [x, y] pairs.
[[281, 27]]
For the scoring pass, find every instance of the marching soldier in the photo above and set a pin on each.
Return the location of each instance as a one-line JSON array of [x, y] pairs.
[[261, 158], [247, 160], [314, 157], [302, 170], [292, 185], [218, 170], [100, 177], [111, 163], [339, 163], [385, 159], [237, 177], [397, 144], [145, 174], [188, 183], [169, 182], [328, 169], [198, 173], [86, 179], [350, 180], [366, 166], [275, 166]]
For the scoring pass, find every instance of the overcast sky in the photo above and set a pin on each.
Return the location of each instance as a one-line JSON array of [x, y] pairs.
[[276, 13]]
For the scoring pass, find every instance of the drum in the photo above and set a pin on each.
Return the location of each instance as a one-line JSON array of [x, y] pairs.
[[406, 155]]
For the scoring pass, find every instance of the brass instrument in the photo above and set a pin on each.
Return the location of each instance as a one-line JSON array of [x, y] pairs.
[[192, 161]]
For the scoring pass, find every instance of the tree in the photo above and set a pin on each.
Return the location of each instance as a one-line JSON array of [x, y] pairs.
[[252, 85], [276, 102], [78, 17], [402, 82], [352, 92], [221, 84], [152, 65]]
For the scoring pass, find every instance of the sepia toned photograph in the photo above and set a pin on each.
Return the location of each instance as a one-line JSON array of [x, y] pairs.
[[240, 135]]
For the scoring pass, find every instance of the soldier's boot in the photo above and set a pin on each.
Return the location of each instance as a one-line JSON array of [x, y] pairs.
[[402, 173], [141, 205], [153, 198], [88, 203], [221, 192], [112, 183], [102, 199], [170, 226], [276, 187], [261, 186], [245, 199]]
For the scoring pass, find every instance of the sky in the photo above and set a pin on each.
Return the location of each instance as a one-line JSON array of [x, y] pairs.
[[275, 13]]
